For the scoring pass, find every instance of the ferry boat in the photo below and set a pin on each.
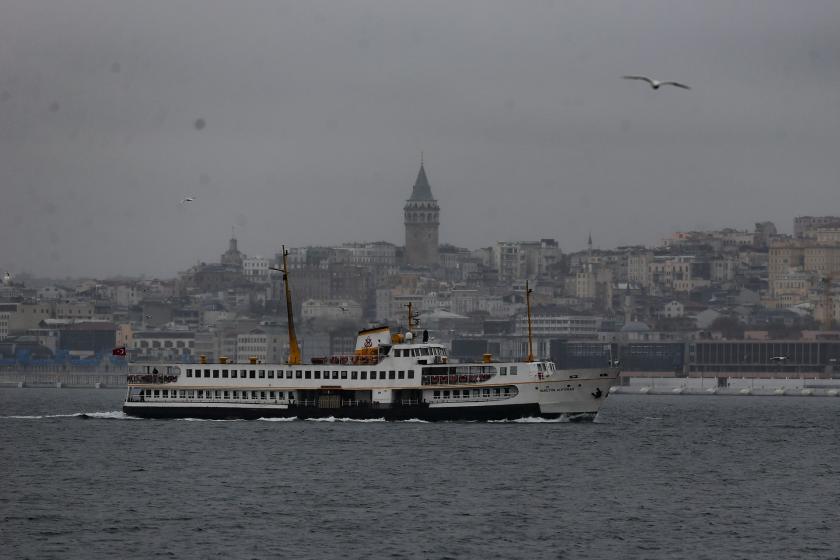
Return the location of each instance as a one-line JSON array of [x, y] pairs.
[[389, 376]]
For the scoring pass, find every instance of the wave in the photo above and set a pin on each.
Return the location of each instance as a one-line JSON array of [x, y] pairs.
[[289, 419], [533, 420], [210, 419], [334, 419], [110, 415]]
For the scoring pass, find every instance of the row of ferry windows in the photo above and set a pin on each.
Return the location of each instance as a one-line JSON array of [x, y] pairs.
[[214, 394], [409, 352], [467, 393], [298, 374]]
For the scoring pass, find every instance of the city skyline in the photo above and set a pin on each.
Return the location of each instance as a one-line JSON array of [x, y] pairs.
[[303, 125]]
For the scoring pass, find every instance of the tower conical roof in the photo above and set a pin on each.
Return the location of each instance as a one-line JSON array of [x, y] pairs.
[[421, 190]]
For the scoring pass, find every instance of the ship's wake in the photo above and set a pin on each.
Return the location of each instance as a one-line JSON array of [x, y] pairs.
[[109, 415]]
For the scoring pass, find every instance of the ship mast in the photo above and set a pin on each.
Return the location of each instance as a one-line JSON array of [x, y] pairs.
[[528, 291], [412, 318], [294, 349]]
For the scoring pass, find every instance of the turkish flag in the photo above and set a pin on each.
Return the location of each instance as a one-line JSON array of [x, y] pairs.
[[118, 351]]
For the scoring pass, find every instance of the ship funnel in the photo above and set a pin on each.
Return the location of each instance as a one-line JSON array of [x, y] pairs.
[[373, 338]]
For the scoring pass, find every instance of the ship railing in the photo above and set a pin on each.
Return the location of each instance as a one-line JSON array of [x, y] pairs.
[[457, 379], [347, 359], [139, 398], [410, 402], [351, 402], [474, 399], [152, 379]]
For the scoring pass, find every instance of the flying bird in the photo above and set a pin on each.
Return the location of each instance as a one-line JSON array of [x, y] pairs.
[[188, 199], [656, 84]]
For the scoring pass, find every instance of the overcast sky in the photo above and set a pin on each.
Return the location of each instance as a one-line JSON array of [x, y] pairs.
[[315, 114]]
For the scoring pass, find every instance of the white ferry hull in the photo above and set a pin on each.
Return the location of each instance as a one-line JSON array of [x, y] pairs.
[[576, 399]]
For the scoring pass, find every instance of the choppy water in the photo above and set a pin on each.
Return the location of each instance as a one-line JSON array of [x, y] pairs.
[[654, 477]]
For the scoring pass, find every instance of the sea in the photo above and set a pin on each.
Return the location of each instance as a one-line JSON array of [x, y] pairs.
[[652, 477]]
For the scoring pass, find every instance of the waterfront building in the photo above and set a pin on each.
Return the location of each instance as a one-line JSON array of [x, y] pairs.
[[162, 345], [805, 226]]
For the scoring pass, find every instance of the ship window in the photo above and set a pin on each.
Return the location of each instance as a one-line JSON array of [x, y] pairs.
[[397, 353], [456, 394], [280, 394], [317, 375], [411, 374], [271, 395], [288, 374], [401, 375], [215, 374], [424, 351], [335, 375], [513, 370], [307, 374], [253, 374], [234, 373], [189, 373], [446, 394], [227, 396], [262, 374], [200, 394], [344, 375], [206, 373], [298, 374], [503, 370], [392, 374], [485, 392], [236, 394], [497, 391], [382, 375], [165, 393], [354, 375], [271, 374], [507, 390], [364, 375], [437, 394], [262, 395], [224, 373]]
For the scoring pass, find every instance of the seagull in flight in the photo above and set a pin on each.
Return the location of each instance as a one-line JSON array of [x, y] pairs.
[[656, 84], [188, 199]]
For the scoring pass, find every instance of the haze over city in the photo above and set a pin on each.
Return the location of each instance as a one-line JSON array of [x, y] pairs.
[[303, 124]]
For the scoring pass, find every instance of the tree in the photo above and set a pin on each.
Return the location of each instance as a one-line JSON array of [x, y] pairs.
[[730, 327]]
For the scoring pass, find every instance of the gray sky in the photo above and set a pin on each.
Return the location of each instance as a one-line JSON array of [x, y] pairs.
[[316, 113]]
